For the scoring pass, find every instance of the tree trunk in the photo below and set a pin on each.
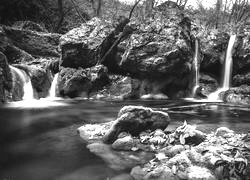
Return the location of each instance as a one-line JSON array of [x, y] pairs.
[[61, 15]]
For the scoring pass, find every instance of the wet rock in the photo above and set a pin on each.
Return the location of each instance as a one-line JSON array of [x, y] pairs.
[[238, 95], [82, 46], [40, 79], [135, 119], [223, 131], [208, 84], [5, 78], [81, 82], [173, 150], [199, 173], [124, 143], [241, 79], [187, 134], [119, 87], [94, 132], [34, 43], [29, 25]]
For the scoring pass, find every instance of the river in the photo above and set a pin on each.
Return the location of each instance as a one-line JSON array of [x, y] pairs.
[[39, 140]]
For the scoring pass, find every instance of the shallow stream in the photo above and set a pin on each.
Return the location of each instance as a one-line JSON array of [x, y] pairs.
[[39, 141]]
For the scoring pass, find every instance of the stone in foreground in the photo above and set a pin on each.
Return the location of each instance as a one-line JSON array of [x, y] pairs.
[[135, 119]]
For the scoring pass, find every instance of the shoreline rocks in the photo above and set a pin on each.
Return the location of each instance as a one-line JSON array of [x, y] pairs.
[[185, 153]]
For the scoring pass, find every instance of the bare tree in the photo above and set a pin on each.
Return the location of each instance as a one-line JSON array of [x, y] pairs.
[[97, 7], [182, 3], [240, 12], [149, 4], [61, 15]]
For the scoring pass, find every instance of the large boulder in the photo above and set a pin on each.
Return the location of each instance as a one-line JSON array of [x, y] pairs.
[[5, 77], [83, 46], [238, 95], [160, 50], [34, 43], [81, 82], [157, 48], [134, 120]]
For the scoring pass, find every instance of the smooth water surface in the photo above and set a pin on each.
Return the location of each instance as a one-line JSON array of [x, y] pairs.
[[42, 143]]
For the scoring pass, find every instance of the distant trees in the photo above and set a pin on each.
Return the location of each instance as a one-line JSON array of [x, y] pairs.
[[224, 14]]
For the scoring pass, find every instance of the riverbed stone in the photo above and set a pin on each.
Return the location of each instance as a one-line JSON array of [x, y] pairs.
[[135, 119], [124, 143]]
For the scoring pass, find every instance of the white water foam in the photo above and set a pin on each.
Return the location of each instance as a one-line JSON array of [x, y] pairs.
[[52, 91], [28, 93], [227, 71], [196, 67]]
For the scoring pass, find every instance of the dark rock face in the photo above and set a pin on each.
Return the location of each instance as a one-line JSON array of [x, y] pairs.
[[208, 85], [82, 47], [238, 95], [5, 77], [29, 25], [40, 79], [34, 43], [241, 79], [242, 54], [118, 87], [81, 82], [214, 47], [16, 55], [135, 119]]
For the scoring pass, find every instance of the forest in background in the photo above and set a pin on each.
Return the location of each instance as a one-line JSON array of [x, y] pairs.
[[63, 15]]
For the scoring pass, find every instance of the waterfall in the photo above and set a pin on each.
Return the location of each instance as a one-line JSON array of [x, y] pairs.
[[228, 63], [27, 86], [52, 91], [227, 70], [196, 67]]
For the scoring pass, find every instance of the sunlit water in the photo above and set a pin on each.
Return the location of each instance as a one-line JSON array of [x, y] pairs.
[[42, 143]]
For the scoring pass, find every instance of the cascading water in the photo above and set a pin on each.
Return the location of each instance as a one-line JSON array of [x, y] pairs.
[[196, 67], [52, 91], [227, 70], [28, 93]]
